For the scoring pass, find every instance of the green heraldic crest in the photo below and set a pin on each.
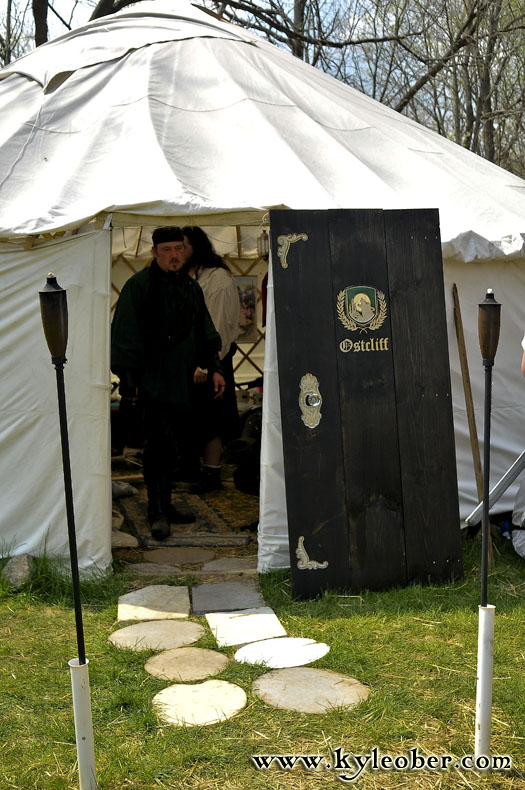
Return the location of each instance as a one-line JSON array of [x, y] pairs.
[[361, 307]]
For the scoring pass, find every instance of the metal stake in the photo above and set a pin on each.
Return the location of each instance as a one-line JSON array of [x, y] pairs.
[[53, 304], [489, 326], [70, 513]]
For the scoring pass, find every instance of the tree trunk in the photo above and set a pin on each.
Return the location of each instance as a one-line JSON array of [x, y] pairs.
[[486, 87], [7, 43], [298, 24], [40, 17], [106, 7]]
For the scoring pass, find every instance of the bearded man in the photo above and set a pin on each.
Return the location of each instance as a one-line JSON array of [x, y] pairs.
[[161, 332]]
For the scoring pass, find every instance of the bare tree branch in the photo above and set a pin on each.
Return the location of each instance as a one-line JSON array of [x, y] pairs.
[[462, 38], [267, 21], [51, 8]]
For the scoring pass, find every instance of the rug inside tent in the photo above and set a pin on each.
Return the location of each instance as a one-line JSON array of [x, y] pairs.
[[223, 518]]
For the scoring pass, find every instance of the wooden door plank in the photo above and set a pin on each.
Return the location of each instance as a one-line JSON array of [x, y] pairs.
[[368, 410], [313, 457], [423, 395]]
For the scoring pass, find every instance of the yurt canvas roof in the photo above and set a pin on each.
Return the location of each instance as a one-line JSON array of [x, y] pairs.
[[152, 114]]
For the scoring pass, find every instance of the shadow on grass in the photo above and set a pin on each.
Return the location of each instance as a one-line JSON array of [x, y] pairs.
[[506, 587]]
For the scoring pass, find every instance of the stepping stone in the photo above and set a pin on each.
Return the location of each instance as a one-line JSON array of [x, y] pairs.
[[200, 539], [117, 520], [186, 663], [309, 690], [119, 489], [183, 555], [17, 570], [232, 564], [157, 602], [153, 569], [157, 635], [205, 703], [250, 625], [225, 597], [284, 652], [122, 540]]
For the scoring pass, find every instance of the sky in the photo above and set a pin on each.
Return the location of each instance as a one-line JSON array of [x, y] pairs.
[[82, 11], [76, 12], [81, 14]]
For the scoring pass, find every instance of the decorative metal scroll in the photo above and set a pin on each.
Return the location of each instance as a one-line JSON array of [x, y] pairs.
[[304, 563], [283, 245]]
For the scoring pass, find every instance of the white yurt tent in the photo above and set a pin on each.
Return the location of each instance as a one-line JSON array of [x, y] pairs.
[[147, 117]]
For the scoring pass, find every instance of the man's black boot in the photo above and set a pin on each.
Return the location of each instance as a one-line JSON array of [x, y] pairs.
[[173, 514], [210, 480], [160, 528], [159, 524], [177, 516]]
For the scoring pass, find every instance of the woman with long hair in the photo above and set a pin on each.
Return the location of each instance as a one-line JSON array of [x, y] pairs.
[[217, 418]]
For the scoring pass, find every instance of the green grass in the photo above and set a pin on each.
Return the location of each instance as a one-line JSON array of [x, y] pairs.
[[415, 648]]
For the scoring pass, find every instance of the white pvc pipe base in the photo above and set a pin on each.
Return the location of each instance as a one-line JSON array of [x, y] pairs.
[[484, 680], [83, 725]]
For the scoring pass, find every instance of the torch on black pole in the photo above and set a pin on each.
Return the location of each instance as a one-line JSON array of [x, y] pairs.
[[53, 306], [489, 319]]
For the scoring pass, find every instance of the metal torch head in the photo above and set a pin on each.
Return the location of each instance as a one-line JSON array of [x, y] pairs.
[[53, 306], [489, 320]]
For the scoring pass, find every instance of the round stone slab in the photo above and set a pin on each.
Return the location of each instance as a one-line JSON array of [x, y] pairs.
[[157, 635], [204, 703], [178, 555], [186, 663], [309, 690], [285, 652]]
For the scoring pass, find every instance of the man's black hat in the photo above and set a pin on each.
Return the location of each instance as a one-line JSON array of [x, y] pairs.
[[166, 233]]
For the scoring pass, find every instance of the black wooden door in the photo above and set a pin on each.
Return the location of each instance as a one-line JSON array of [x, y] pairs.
[[358, 315]]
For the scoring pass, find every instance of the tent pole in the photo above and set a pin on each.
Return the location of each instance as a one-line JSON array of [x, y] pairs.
[[469, 404]]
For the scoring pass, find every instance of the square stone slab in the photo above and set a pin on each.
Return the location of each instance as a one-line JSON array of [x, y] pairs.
[[156, 602], [179, 555], [238, 628], [153, 569], [225, 597]]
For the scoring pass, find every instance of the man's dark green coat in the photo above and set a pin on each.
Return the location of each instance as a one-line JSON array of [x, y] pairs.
[[161, 332]]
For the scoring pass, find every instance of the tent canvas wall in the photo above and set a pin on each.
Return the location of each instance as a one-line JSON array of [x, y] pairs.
[[147, 117], [33, 508]]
